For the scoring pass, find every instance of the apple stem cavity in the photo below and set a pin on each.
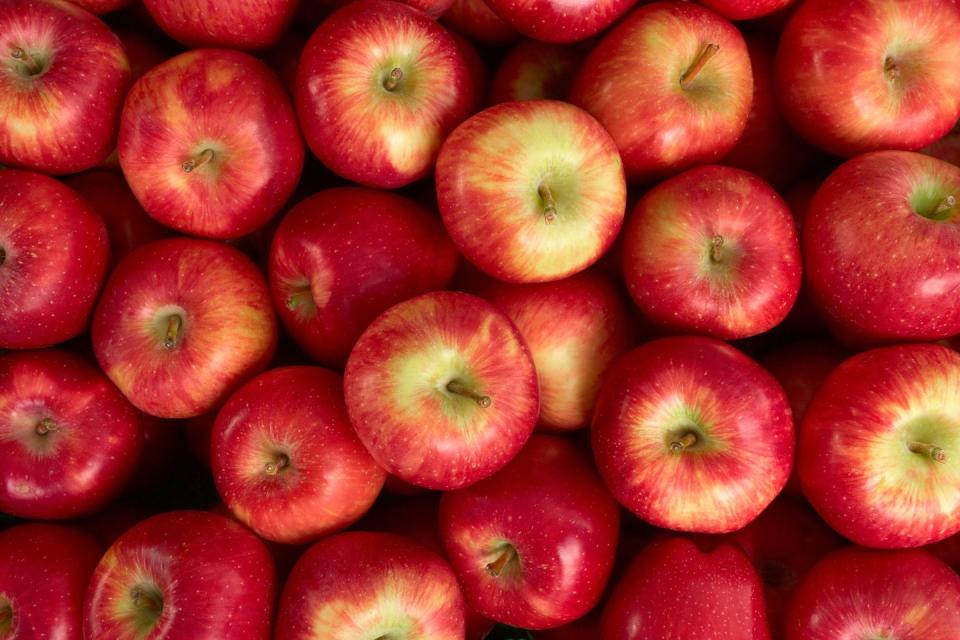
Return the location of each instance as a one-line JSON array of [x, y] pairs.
[[174, 327], [684, 442], [945, 205], [3, 256], [496, 567], [197, 161], [45, 426], [934, 453], [716, 249], [280, 462], [392, 81], [691, 73], [549, 204], [33, 67], [148, 601], [6, 616], [890, 68], [459, 388]]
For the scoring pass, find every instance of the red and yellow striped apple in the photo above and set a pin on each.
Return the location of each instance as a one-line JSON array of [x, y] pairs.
[[233, 24]]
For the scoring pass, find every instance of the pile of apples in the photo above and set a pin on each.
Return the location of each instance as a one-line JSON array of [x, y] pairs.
[[479, 319]]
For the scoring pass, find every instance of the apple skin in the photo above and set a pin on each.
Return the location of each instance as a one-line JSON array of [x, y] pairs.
[[674, 590], [630, 82], [397, 388], [860, 593], [356, 126], [869, 286], [370, 585], [534, 70], [343, 256], [833, 84], [947, 550], [745, 9], [575, 329], [214, 579], [743, 436], [475, 20], [44, 570], [247, 125], [854, 458], [53, 258], [559, 21], [490, 175], [227, 329], [286, 460], [233, 24], [678, 276], [62, 119], [548, 510], [946, 148], [102, 6]]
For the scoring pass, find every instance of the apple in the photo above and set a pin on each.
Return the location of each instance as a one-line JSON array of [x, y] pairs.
[[534, 70], [531, 191], [671, 82], [860, 593], [674, 590], [233, 24], [102, 6], [442, 390], [746, 9], [182, 574], [286, 460], [871, 286], [879, 449], [62, 82], [550, 21], [713, 250], [474, 19], [221, 174], [947, 550], [44, 570], [380, 84], [476, 66], [575, 329], [946, 148], [343, 256], [370, 585], [144, 49], [53, 258], [862, 75], [692, 435], [182, 323], [533, 545]]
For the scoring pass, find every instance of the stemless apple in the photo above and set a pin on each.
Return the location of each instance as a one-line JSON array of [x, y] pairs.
[[713, 250], [535, 70], [552, 21], [53, 258], [861, 75], [286, 460], [531, 191], [209, 143], [68, 439], [879, 452], [62, 81], [234, 24], [672, 84], [182, 323], [690, 434], [442, 390], [343, 256], [380, 84]]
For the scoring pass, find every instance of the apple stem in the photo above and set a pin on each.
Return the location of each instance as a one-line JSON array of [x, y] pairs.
[[705, 54], [33, 67], [174, 325], [684, 442], [460, 389], [280, 462], [945, 205], [393, 80], [147, 600], [495, 568], [890, 68], [716, 249], [198, 160], [549, 204], [45, 426], [934, 453]]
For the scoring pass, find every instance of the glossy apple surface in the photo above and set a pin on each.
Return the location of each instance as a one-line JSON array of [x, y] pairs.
[[879, 452], [690, 434], [53, 258], [713, 250], [559, 21], [234, 24], [182, 323], [534, 70], [474, 19], [442, 390], [745, 9], [343, 256]]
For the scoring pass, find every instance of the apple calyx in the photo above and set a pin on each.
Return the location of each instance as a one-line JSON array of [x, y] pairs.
[[197, 161], [890, 68], [392, 81], [147, 605], [301, 299], [508, 554], [174, 329], [45, 427], [716, 249], [6, 617], [703, 57], [28, 61], [934, 453], [457, 387], [549, 204], [684, 441], [277, 464]]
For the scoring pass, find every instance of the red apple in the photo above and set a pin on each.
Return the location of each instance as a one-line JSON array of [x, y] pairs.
[[442, 390], [713, 250], [68, 439], [380, 85], [342, 257], [861, 75], [370, 585], [533, 545], [181, 323], [182, 575], [102, 6], [745, 9], [531, 191], [235, 24], [947, 550], [881, 252], [858, 593], [474, 19], [672, 84], [674, 590], [575, 328], [144, 49], [44, 570], [557, 20], [477, 67], [53, 258], [286, 460], [946, 148], [209, 143], [61, 85], [690, 434], [534, 70], [879, 452]]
